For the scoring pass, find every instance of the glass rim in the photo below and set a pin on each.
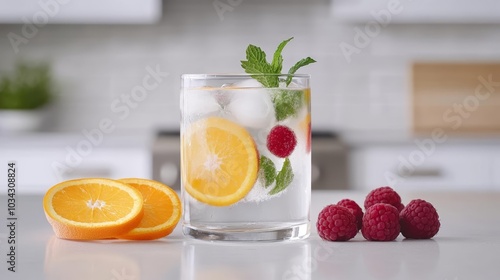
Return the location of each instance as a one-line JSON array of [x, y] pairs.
[[240, 75]]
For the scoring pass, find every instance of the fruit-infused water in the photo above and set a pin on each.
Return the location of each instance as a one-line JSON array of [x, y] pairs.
[[246, 158]]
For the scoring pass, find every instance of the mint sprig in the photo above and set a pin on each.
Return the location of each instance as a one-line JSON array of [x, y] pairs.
[[277, 63], [268, 174], [284, 178], [287, 103], [301, 63], [267, 171], [256, 63]]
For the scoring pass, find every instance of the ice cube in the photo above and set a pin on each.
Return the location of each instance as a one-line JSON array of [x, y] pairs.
[[248, 83], [198, 102], [252, 107], [223, 97]]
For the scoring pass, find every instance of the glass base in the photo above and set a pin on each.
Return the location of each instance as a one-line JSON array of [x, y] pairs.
[[248, 233]]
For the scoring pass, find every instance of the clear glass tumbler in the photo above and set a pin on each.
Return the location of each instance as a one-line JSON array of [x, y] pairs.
[[246, 156]]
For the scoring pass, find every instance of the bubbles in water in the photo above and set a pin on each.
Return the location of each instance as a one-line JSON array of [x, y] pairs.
[[259, 193]]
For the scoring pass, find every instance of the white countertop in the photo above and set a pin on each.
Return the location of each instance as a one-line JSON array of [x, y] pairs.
[[467, 247]]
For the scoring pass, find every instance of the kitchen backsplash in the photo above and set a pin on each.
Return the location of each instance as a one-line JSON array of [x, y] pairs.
[[360, 83]]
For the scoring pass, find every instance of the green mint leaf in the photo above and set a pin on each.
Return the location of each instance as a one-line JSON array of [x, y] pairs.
[[267, 171], [284, 178], [303, 62], [277, 63], [256, 63], [287, 103], [255, 68], [256, 54]]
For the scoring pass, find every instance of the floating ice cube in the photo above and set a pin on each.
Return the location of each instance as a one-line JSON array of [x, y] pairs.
[[252, 107], [223, 97], [198, 102], [248, 83]]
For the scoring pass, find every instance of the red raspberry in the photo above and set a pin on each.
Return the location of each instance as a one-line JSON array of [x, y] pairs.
[[336, 223], [400, 207], [383, 195], [381, 223], [281, 141], [355, 209], [419, 220]]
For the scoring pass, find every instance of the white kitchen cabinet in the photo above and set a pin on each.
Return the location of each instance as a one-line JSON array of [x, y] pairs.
[[37, 169], [448, 167], [422, 11], [45, 161], [41, 12]]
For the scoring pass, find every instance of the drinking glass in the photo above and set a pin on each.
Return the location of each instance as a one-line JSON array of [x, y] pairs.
[[246, 156]]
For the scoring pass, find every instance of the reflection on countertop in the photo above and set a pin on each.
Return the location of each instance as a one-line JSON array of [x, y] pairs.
[[112, 259]]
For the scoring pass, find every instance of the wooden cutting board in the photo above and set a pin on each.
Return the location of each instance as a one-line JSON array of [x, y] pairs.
[[461, 98]]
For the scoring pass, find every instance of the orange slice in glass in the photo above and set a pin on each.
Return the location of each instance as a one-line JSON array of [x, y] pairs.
[[92, 208], [219, 160], [162, 210]]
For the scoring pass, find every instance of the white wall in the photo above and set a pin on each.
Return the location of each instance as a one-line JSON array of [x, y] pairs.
[[95, 64]]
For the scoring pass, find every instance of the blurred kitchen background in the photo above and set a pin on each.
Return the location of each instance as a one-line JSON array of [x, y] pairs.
[[405, 93]]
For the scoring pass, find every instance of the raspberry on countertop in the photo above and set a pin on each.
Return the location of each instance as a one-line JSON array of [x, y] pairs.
[[355, 209], [336, 223], [381, 223], [383, 195], [419, 220]]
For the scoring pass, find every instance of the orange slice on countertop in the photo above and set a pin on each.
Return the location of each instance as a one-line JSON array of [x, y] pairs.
[[162, 210], [220, 161], [92, 208]]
